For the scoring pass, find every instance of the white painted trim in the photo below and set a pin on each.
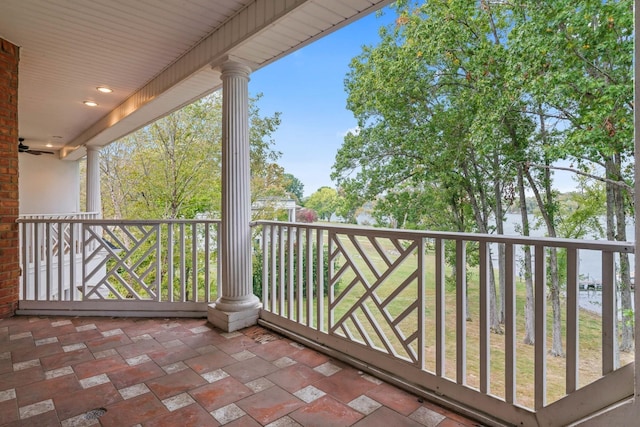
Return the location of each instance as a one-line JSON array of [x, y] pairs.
[[113, 308], [596, 396]]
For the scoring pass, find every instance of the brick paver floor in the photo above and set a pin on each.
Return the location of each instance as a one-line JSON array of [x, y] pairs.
[[77, 372]]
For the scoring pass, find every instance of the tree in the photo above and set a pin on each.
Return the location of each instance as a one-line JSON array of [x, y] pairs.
[[576, 61], [480, 99], [325, 202], [172, 167], [169, 169], [428, 118], [294, 187]]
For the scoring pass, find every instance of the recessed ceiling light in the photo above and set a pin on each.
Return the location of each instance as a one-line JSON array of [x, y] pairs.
[[104, 89], [90, 103], [49, 145]]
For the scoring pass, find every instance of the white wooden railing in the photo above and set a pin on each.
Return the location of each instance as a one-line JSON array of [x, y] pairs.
[[143, 268], [412, 305]]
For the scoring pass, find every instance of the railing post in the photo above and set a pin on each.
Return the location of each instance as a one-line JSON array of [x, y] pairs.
[[461, 312], [540, 304]]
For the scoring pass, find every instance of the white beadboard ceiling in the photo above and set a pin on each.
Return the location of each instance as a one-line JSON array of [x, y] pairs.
[[155, 55]]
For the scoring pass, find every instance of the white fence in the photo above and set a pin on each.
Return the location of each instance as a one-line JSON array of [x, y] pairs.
[[417, 305], [104, 267]]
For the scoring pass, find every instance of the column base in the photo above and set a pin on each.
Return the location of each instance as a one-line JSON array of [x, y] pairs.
[[230, 321]]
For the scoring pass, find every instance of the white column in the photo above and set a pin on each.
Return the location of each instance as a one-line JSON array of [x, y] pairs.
[[237, 307], [94, 203]]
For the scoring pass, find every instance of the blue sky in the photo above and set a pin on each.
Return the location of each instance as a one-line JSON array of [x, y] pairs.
[[307, 87]]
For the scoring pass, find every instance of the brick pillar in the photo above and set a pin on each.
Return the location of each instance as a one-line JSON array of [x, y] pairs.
[[9, 251]]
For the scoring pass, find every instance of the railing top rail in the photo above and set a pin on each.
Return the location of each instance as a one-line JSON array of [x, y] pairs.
[[600, 245], [116, 221], [57, 215]]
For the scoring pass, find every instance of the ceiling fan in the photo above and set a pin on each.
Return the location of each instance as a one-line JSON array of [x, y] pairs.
[[25, 149]]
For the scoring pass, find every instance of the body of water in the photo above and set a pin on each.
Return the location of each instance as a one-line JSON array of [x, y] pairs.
[[590, 266], [590, 261]]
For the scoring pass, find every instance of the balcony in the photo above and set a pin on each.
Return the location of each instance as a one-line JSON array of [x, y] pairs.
[[407, 307]]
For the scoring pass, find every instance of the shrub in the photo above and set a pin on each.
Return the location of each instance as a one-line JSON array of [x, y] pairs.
[[305, 215], [258, 263]]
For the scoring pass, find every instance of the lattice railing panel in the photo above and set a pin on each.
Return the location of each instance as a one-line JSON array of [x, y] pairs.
[[132, 264], [378, 301]]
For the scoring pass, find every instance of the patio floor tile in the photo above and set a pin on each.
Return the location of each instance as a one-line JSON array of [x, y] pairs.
[[210, 361], [245, 421], [135, 374], [274, 350], [9, 411], [170, 385], [396, 399], [133, 411], [345, 385], [220, 393], [140, 347], [270, 404], [385, 417], [25, 376], [46, 419], [192, 415], [107, 342], [42, 390], [251, 369], [295, 377], [237, 344], [175, 372], [36, 353], [68, 358], [100, 366], [309, 357], [327, 412], [167, 356], [81, 336], [81, 401], [203, 339]]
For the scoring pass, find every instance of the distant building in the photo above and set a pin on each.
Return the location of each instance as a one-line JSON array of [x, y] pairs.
[[276, 204]]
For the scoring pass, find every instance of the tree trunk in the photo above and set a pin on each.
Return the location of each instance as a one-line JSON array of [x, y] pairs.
[[499, 212], [554, 291], [479, 210], [529, 312], [624, 281], [554, 285]]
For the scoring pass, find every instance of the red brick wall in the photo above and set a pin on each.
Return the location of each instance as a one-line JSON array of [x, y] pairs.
[[9, 262]]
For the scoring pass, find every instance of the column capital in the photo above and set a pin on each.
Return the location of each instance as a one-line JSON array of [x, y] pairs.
[[233, 65], [92, 148]]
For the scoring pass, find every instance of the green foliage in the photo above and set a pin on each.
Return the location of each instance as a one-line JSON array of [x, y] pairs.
[[141, 257], [464, 106], [258, 270], [294, 187], [456, 94], [325, 202], [172, 167]]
